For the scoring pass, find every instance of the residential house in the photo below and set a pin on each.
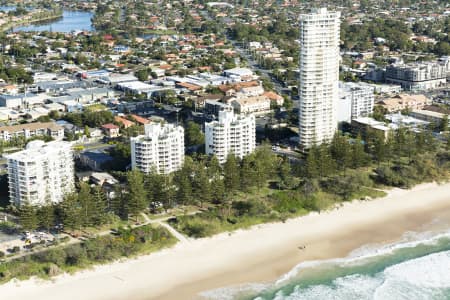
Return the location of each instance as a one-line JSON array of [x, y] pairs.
[[111, 130]]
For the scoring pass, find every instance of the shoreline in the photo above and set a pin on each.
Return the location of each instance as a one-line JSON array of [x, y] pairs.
[[9, 26], [262, 253]]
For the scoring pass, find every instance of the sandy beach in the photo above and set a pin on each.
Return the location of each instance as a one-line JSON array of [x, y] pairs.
[[260, 254]]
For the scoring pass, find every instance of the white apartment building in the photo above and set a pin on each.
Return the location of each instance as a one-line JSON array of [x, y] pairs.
[[355, 101], [161, 148], [445, 62], [42, 173], [319, 76], [230, 134], [417, 76]]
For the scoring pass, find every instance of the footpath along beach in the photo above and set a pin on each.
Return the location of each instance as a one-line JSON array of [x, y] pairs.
[[260, 254]]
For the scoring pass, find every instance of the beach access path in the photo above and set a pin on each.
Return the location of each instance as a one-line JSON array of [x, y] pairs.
[[72, 240]]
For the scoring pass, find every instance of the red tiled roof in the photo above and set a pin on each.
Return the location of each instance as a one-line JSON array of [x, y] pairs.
[[140, 120], [238, 86], [126, 123], [165, 67], [272, 95], [110, 126], [189, 86]]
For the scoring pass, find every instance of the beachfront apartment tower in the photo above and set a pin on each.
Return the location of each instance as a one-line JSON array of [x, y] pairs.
[[161, 149], [231, 133], [319, 76], [41, 174]]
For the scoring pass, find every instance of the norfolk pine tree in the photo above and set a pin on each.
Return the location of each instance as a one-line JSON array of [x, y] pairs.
[[137, 194], [231, 174], [27, 217]]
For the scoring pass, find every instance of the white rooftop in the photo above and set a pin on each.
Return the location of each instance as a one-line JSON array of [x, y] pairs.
[[239, 71], [135, 85], [400, 119], [428, 113], [368, 121], [38, 148]]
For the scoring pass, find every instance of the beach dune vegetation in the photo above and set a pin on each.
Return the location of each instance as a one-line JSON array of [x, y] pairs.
[[125, 243]]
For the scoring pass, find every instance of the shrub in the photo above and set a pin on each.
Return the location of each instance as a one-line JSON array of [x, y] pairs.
[[75, 255], [101, 249], [346, 186], [64, 239], [242, 207], [197, 228], [388, 176], [8, 228], [53, 270], [56, 256], [6, 274], [310, 203], [287, 202]]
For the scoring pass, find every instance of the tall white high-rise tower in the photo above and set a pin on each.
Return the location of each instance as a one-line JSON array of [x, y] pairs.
[[319, 76]]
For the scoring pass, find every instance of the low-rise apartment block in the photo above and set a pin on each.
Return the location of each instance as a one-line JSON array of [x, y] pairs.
[[255, 104], [365, 124], [405, 101], [417, 76], [30, 130], [429, 116]]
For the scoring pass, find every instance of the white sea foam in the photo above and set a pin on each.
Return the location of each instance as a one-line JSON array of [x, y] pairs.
[[429, 271], [422, 278], [349, 287], [409, 240], [229, 293]]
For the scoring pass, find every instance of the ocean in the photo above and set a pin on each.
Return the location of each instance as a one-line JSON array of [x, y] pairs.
[[417, 268]]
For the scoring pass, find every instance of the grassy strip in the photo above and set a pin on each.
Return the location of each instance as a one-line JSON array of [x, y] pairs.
[[95, 107], [159, 31], [124, 243]]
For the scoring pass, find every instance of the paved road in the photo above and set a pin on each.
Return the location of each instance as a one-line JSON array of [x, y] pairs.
[[251, 62], [97, 146], [256, 68], [291, 155]]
